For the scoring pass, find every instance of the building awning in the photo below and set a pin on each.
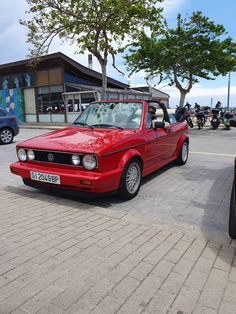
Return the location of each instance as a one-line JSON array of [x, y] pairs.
[[129, 91]]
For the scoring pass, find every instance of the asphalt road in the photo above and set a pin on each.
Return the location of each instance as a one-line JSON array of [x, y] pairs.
[[193, 197]]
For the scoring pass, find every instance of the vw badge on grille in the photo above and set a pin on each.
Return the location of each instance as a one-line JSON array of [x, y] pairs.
[[50, 157]]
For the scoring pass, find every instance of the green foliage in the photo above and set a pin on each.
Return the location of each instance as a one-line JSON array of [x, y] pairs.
[[196, 48], [99, 26]]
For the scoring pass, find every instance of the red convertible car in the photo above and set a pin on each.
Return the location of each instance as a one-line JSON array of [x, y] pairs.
[[109, 148]]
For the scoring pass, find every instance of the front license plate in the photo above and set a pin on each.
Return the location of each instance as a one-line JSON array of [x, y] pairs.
[[45, 177]]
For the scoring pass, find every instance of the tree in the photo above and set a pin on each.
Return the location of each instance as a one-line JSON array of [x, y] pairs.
[[99, 26], [196, 48]]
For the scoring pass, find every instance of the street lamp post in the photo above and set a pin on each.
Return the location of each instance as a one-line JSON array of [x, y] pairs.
[[228, 96]]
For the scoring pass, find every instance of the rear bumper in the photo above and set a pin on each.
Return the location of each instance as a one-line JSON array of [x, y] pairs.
[[16, 130], [70, 179]]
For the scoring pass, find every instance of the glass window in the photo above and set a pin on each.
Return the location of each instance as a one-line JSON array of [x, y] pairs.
[[49, 100], [56, 89], [43, 90], [113, 96], [130, 96], [149, 121], [139, 97], [126, 115], [172, 119]]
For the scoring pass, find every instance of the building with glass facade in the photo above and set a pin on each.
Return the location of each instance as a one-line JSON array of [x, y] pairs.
[[55, 89]]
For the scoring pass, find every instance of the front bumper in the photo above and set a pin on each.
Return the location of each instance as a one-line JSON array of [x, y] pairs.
[[71, 179]]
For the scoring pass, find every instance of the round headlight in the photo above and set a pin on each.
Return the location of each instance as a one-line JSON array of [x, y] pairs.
[[21, 153], [30, 154], [75, 160], [89, 162]]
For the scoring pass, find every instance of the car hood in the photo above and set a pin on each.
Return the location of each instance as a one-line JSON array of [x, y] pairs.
[[74, 139]]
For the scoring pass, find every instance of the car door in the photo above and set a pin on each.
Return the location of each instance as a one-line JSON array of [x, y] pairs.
[[159, 142]]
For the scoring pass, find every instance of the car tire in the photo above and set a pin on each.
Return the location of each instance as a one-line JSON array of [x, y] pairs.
[[232, 214], [131, 179], [183, 154], [6, 136]]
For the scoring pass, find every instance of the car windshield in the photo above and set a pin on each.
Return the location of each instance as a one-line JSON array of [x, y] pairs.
[[121, 115]]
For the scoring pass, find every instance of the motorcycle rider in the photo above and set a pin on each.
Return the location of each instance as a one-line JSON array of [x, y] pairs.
[[218, 105], [215, 121], [200, 115]]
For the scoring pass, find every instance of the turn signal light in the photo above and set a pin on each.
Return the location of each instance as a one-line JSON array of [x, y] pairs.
[[86, 182]]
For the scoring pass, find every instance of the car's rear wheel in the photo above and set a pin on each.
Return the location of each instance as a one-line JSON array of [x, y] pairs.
[[6, 136], [131, 179], [232, 214], [183, 154]]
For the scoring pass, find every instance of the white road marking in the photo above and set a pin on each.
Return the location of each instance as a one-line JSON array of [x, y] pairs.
[[214, 154]]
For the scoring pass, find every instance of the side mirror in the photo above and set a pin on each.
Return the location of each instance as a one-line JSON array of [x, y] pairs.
[[160, 124]]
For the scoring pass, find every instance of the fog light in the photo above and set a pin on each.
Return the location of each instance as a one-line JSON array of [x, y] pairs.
[[75, 160], [30, 154], [86, 182]]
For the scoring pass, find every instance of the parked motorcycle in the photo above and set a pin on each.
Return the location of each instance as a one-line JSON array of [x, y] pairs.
[[187, 114], [200, 115], [184, 113], [215, 121], [227, 116]]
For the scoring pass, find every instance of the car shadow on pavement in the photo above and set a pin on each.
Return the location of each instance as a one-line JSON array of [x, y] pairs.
[[104, 201], [210, 207]]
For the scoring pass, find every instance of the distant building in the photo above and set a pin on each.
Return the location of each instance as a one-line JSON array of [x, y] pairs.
[[156, 94], [58, 88]]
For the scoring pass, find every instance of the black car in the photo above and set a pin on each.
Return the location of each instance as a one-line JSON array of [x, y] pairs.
[[8, 127], [232, 213]]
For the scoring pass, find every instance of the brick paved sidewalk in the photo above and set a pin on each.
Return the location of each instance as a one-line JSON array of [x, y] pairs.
[[63, 256]]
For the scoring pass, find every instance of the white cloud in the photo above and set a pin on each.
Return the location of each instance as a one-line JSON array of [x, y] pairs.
[[172, 6], [201, 94]]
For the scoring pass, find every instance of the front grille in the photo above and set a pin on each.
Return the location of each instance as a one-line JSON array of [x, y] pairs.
[[56, 157]]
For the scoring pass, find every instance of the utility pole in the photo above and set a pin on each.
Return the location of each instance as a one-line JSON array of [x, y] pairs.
[[228, 92]]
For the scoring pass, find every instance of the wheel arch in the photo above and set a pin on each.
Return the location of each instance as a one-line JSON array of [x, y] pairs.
[[182, 139], [129, 155], [3, 127]]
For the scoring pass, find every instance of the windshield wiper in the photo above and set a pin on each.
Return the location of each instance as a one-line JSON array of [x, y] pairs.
[[104, 125], [83, 123]]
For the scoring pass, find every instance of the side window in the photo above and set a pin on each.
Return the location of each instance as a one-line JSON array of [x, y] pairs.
[[154, 113], [172, 119], [149, 121]]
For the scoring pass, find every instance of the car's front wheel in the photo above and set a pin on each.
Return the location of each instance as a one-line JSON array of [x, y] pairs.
[[6, 136], [131, 179], [232, 214], [183, 154]]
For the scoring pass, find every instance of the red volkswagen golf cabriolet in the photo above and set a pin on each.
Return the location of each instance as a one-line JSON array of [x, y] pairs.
[[109, 148]]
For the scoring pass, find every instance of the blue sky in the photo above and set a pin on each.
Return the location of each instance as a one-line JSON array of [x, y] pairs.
[[14, 48]]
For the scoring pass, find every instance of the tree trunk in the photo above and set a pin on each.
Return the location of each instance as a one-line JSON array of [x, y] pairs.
[[182, 98], [104, 79]]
